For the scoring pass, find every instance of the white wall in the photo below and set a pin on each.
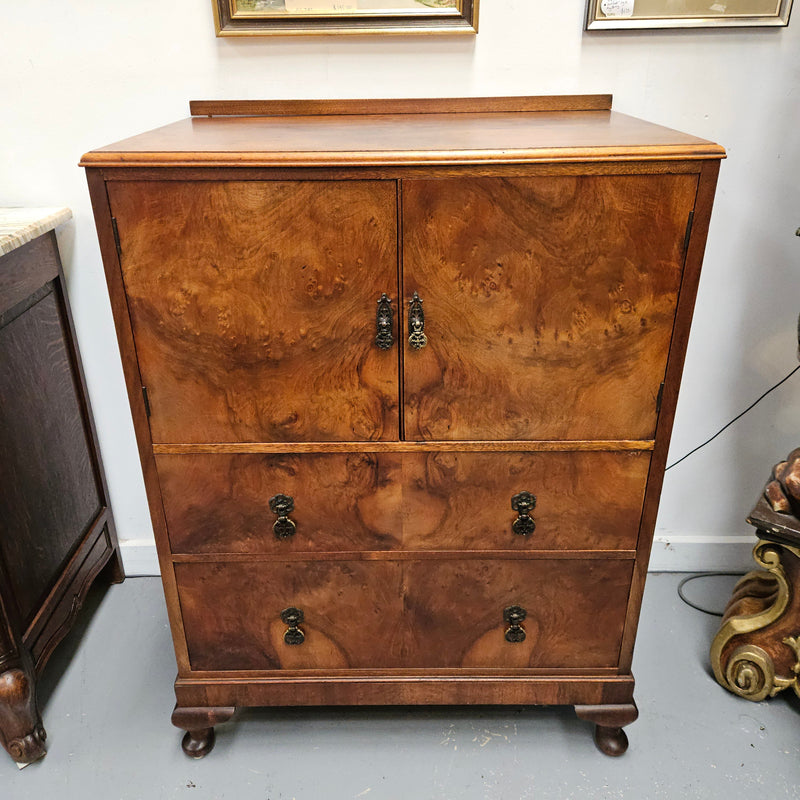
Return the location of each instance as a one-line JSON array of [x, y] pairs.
[[77, 74]]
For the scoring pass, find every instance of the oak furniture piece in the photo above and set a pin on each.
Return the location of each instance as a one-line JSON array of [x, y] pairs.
[[403, 375], [56, 528], [756, 652]]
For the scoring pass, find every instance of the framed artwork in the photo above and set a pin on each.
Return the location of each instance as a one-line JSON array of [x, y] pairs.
[[269, 17], [635, 14]]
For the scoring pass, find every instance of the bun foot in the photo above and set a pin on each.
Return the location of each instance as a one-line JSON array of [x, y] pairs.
[[199, 726], [197, 744], [608, 734], [611, 741]]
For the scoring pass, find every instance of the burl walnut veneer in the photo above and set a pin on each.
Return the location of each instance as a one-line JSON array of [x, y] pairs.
[[403, 377]]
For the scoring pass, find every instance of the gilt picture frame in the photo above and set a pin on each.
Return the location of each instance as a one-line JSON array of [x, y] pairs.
[[643, 14], [305, 17]]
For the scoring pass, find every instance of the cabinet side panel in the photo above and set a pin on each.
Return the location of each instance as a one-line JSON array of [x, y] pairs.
[[50, 496], [133, 383], [677, 354]]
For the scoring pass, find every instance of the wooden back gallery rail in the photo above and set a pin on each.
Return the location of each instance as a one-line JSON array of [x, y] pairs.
[[403, 375]]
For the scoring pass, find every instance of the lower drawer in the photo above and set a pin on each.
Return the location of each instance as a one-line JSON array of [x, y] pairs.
[[386, 614]]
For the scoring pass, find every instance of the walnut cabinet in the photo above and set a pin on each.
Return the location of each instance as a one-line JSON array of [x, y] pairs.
[[403, 375]]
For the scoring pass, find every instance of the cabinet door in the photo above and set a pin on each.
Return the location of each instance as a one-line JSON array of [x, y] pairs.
[[548, 304], [254, 305]]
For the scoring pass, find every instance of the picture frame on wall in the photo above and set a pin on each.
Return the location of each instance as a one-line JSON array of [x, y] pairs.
[[304, 17], [638, 14]]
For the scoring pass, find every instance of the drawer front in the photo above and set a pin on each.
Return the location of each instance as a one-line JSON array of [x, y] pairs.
[[548, 303], [579, 500], [254, 305], [574, 613], [404, 614], [220, 503], [352, 614]]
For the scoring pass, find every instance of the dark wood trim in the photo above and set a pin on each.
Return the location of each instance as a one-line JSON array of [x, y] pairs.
[[41, 265], [114, 558], [421, 105], [66, 598]]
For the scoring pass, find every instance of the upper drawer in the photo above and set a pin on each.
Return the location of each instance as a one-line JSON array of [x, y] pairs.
[[220, 503], [549, 303], [253, 307]]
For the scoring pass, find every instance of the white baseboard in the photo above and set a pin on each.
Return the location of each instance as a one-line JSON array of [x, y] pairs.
[[139, 557], [680, 553], [702, 553]]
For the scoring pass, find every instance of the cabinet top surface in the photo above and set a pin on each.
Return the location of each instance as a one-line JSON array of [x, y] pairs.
[[21, 225], [339, 134]]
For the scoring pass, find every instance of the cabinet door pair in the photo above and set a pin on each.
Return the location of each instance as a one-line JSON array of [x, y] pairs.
[[547, 303]]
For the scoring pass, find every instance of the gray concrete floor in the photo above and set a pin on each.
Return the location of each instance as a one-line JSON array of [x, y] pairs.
[[107, 698]]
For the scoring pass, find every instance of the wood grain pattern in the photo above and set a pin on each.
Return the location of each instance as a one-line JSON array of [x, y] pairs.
[[261, 332], [133, 384], [219, 503], [462, 501], [402, 690], [549, 304], [417, 105], [424, 614], [402, 139], [410, 502], [352, 614], [575, 613], [50, 494]]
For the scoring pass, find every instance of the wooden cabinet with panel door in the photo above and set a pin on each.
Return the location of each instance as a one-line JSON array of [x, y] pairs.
[[403, 385]]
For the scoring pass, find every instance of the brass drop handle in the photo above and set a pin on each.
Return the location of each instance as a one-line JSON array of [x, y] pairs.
[[514, 615], [293, 617], [523, 503], [384, 337], [416, 323], [282, 505]]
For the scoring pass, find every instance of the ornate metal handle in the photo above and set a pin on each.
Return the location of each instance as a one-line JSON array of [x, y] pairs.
[[524, 503], [514, 615], [416, 323], [293, 617], [383, 323], [282, 505]]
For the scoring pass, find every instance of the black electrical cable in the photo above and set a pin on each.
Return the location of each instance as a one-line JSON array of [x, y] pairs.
[[738, 416], [703, 575]]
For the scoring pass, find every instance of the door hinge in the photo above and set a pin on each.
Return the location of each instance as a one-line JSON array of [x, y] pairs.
[[688, 233], [659, 398], [116, 237], [147, 401]]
